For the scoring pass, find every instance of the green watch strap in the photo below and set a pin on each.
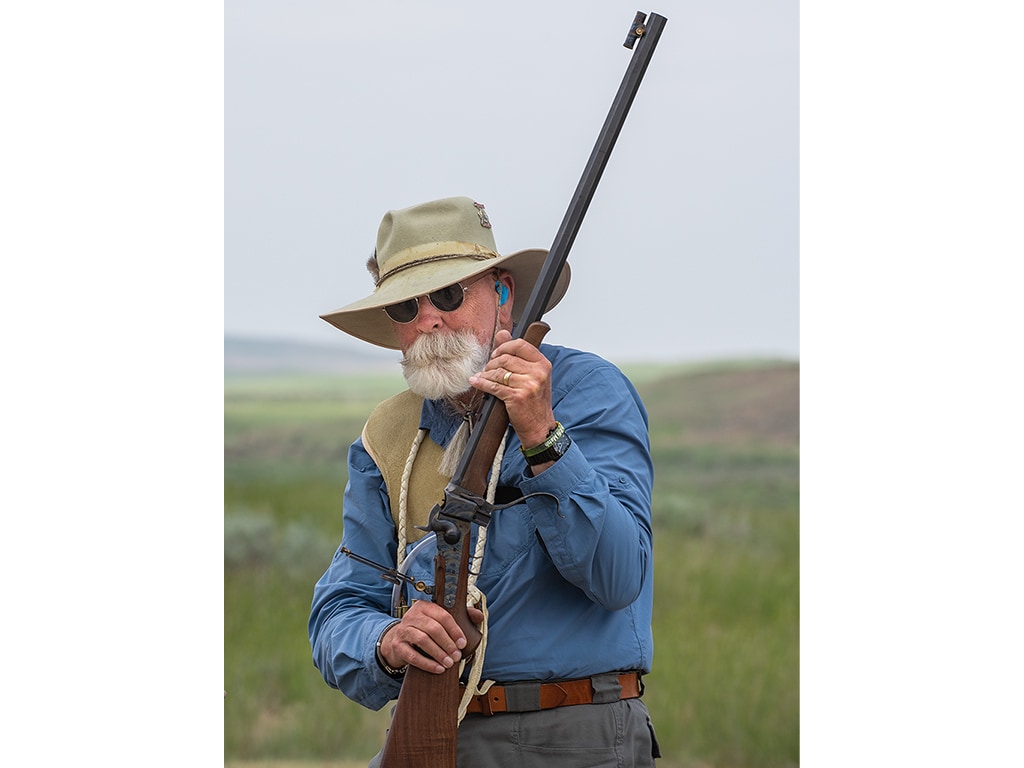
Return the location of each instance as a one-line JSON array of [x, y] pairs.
[[553, 437]]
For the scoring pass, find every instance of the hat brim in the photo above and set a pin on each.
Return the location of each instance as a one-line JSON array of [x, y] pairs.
[[365, 319]]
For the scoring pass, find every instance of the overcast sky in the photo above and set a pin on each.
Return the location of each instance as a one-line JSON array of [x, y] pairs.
[[336, 112]]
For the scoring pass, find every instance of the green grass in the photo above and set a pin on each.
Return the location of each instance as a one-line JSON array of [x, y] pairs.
[[724, 690]]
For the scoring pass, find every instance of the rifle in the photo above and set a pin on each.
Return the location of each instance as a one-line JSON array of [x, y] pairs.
[[424, 726]]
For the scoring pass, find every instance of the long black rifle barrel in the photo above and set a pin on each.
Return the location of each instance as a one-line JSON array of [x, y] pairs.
[[646, 34]]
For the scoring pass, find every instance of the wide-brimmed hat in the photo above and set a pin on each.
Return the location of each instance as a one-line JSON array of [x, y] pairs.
[[430, 246]]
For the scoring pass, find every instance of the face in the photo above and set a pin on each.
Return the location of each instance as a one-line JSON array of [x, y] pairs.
[[441, 350], [476, 314]]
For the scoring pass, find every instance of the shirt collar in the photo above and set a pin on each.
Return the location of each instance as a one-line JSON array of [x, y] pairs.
[[438, 418]]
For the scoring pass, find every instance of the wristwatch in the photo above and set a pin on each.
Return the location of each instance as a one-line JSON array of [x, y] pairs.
[[552, 449]]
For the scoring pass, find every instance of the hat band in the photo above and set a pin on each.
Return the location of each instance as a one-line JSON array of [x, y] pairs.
[[431, 252]]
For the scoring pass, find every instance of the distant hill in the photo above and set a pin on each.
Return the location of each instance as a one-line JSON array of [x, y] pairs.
[[728, 404], [245, 355]]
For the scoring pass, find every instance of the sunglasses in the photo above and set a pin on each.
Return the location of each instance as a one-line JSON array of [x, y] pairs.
[[446, 299]]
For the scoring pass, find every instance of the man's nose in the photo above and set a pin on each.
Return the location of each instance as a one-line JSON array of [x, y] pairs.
[[427, 316]]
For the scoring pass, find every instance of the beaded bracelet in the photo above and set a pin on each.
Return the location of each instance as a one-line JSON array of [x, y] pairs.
[[380, 657]]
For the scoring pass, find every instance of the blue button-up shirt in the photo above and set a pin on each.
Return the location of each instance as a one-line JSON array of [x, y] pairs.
[[569, 584]]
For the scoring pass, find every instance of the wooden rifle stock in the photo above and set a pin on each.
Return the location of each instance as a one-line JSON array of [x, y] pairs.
[[424, 727]]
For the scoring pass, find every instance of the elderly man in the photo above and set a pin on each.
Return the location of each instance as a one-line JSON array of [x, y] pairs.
[[565, 575]]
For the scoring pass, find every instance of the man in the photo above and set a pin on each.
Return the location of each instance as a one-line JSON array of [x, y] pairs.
[[565, 574]]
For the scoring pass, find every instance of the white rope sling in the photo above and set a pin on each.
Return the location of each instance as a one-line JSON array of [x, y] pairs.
[[473, 594]]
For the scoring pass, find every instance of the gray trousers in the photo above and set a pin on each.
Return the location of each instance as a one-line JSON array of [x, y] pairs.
[[615, 735]]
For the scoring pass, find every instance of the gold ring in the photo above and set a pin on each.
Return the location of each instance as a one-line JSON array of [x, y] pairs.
[[508, 375]]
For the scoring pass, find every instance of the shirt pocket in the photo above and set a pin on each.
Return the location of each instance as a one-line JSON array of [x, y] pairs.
[[510, 535]]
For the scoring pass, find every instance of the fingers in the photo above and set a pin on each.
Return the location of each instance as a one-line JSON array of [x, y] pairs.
[[519, 365], [517, 369], [427, 637], [506, 346]]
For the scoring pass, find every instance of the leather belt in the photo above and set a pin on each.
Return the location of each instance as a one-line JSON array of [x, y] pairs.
[[535, 696]]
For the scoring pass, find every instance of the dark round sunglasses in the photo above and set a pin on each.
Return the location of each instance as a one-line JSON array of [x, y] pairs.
[[446, 299]]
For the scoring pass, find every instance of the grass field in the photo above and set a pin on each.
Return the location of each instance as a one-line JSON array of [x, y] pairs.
[[724, 690]]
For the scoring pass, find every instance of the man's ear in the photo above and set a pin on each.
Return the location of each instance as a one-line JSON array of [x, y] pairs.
[[505, 287]]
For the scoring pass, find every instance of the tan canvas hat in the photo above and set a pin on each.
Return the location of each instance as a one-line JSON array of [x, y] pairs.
[[430, 246]]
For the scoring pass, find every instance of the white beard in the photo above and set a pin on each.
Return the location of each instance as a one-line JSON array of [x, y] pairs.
[[438, 365]]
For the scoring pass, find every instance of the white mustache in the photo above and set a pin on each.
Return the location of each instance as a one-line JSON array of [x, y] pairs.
[[439, 365]]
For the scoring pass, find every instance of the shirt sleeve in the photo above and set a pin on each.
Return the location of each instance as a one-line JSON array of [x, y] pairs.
[[351, 603], [593, 511]]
